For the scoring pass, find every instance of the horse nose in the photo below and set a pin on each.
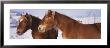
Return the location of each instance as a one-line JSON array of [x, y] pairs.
[[19, 33], [41, 28]]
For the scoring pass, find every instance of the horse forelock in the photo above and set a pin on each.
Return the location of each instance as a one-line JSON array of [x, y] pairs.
[[21, 19]]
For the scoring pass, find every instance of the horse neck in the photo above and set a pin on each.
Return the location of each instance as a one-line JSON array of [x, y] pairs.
[[35, 23], [64, 21]]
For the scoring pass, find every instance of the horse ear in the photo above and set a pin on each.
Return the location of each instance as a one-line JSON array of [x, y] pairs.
[[26, 13], [49, 11], [53, 14]]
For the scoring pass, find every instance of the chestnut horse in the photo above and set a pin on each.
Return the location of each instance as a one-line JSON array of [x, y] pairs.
[[71, 28], [28, 21]]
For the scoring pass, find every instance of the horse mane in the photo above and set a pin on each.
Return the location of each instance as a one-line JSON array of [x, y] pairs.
[[35, 17], [67, 17], [34, 21]]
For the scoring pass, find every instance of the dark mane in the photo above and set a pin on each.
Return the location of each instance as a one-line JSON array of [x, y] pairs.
[[35, 22]]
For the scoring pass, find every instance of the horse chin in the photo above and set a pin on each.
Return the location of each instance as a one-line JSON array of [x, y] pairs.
[[19, 33]]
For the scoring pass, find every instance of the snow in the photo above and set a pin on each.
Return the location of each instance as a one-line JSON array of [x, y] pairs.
[[88, 16], [13, 34]]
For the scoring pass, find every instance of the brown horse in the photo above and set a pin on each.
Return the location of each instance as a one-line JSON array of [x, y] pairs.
[[28, 21], [71, 29]]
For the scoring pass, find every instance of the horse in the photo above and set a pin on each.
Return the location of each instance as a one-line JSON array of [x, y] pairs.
[[28, 21], [71, 28]]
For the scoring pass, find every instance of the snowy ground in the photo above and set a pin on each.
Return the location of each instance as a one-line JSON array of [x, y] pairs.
[[26, 35]]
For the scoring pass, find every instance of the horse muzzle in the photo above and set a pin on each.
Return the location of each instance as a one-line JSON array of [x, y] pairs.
[[41, 28], [19, 33]]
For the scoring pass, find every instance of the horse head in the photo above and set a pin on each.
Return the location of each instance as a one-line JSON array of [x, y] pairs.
[[24, 23], [48, 22]]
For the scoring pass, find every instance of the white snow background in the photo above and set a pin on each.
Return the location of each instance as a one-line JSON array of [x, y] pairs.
[[86, 16]]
